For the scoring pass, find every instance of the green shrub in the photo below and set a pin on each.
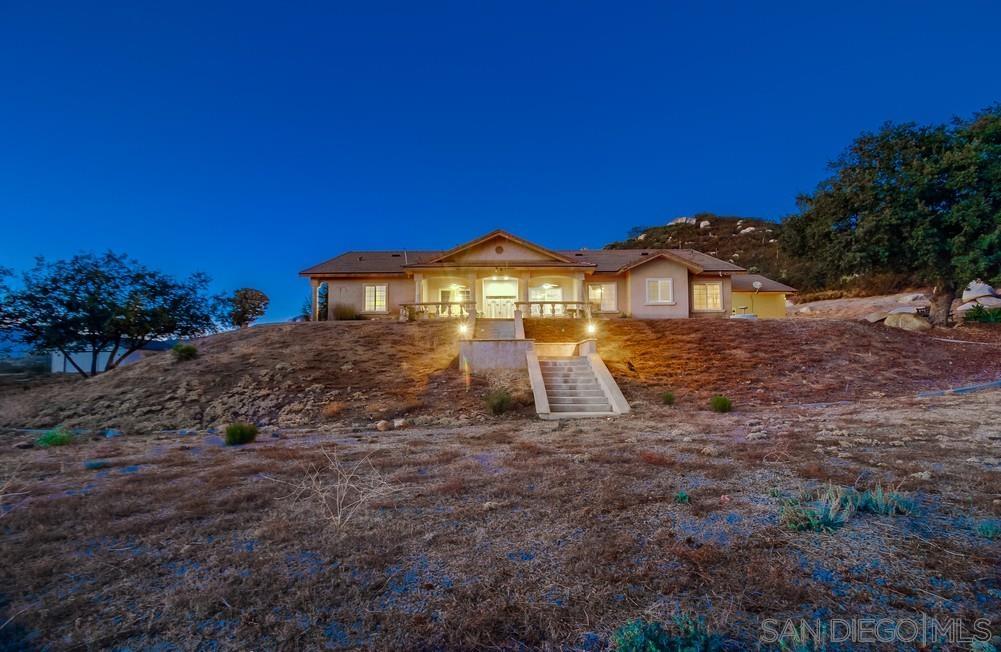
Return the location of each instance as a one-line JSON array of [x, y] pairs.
[[240, 433], [682, 498], [499, 401], [832, 509], [720, 403], [184, 352], [667, 398], [59, 436], [642, 636], [881, 501], [344, 312], [989, 529], [983, 315]]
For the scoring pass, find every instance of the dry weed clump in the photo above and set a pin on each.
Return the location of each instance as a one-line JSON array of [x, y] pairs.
[[339, 489], [7, 494], [334, 409]]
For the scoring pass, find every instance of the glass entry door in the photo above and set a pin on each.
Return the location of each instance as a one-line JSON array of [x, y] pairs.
[[499, 296]]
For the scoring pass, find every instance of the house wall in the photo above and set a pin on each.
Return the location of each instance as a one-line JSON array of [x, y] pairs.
[[766, 305], [352, 292], [727, 295], [660, 268]]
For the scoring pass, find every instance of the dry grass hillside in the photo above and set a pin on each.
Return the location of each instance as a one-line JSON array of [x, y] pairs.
[[357, 372], [284, 375], [781, 361]]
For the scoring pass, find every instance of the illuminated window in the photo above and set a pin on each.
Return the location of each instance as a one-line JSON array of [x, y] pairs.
[[707, 297], [375, 298], [660, 290], [603, 294]]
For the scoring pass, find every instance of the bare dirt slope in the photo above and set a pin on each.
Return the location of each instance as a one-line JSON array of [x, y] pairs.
[[284, 375], [781, 361], [356, 372]]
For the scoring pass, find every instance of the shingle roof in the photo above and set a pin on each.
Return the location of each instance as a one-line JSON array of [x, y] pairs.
[[613, 260], [604, 260], [745, 283], [370, 262]]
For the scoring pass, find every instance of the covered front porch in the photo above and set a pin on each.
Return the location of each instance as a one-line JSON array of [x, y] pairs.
[[496, 294]]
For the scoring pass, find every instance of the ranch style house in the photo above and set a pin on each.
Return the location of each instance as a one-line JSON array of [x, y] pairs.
[[494, 275]]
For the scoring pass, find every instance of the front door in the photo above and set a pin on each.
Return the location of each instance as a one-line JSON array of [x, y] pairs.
[[499, 296]]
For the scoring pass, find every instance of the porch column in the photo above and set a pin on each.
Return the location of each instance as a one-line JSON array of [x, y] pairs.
[[523, 281], [578, 286], [418, 286], [314, 312], [474, 291]]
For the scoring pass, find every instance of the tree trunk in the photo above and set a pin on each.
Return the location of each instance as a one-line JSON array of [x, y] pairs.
[[73, 362], [941, 303]]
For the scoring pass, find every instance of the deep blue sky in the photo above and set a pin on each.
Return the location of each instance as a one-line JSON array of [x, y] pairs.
[[251, 140]]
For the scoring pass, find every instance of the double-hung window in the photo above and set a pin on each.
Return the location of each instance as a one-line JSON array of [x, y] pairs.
[[375, 298], [707, 297], [659, 290]]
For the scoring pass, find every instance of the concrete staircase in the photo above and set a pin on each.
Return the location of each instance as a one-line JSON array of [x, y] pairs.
[[572, 387], [494, 329]]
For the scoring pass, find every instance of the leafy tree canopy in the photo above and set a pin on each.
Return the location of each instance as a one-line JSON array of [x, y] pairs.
[[923, 201], [245, 306], [103, 303]]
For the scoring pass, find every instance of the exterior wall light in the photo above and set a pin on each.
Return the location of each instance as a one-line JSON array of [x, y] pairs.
[[463, 329], [591, 329]]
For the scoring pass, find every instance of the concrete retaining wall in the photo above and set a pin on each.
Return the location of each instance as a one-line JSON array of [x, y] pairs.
[[494, 354]]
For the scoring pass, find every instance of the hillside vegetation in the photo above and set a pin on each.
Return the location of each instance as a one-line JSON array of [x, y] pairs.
[[313, 374], [750, 242]]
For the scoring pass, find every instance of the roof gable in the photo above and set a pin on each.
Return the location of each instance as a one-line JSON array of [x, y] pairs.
[[498, 246], [664, 255]]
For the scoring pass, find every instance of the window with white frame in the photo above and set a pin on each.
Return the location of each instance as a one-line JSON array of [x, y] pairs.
[[660, 290], [375, 298], [707, 297], [603, 295]]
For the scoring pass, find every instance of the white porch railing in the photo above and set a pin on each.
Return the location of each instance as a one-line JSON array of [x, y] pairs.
[[571, 309], [437, 310]]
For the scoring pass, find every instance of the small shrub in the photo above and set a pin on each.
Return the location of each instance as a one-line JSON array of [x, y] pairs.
[[881, 501], [667, 398], [831, 510], [983, 315], [56, 437], [499, 401], [682, 498], [989, 529], [344, 312], [643, 636], [184, 352], [240, 433], [720, 403]]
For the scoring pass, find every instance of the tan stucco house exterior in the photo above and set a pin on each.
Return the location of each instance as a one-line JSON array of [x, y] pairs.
[[498, 273]]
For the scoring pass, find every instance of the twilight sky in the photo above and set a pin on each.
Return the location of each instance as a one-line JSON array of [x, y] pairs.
[[250, 140]]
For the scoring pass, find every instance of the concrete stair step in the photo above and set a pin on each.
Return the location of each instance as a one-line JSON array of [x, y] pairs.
[[571, 387], [562, 393], [580, 408], [579, 401]]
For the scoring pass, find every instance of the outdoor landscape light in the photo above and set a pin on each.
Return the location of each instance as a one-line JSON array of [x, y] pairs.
[[591, 329], [462, 329]]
